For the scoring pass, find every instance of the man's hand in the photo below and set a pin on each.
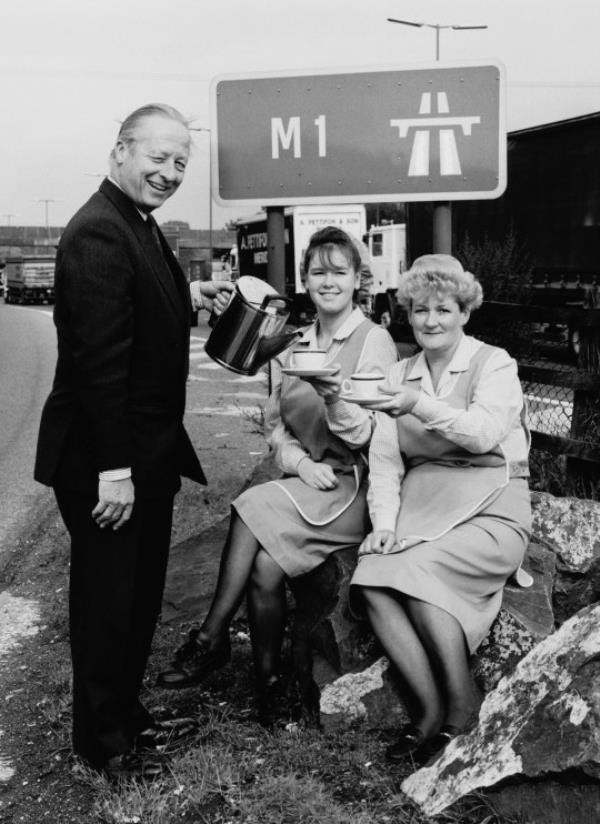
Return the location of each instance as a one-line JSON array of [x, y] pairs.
[[115, 503], [379, 542], [317, 475], [216, 294]]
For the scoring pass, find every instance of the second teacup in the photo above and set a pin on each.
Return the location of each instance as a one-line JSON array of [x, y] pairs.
[[363, 385], [309, 358]]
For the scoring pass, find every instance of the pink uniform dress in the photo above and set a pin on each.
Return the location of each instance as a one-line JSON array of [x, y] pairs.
[[297, 525], [464, 517]]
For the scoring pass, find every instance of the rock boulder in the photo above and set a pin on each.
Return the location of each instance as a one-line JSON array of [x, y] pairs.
[[541, 722]]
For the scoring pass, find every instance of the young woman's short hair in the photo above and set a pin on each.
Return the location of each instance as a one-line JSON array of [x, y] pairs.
[[443, 275]]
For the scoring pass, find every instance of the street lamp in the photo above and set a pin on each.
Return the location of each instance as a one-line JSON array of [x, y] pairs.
[[210, 221], [442, 211], [437, 28]]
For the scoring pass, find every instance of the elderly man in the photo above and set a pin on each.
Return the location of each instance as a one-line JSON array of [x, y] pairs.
[[112, 442]]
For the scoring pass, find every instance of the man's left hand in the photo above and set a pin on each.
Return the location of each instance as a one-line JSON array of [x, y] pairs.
[[216, 294]]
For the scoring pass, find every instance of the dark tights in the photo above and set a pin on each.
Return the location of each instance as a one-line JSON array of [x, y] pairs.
[[246, 567]]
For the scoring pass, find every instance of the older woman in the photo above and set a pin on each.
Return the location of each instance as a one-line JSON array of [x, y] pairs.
[[449, 503], [285, 528]]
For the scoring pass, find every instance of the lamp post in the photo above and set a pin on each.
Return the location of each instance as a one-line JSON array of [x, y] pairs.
[[442, 210], [210, 220], [437, 28]]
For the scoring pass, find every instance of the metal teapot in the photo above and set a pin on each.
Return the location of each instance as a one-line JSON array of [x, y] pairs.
[[249, 333]]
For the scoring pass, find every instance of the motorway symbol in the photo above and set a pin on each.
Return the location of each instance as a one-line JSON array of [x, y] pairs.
[[448, 152], [428, 133]]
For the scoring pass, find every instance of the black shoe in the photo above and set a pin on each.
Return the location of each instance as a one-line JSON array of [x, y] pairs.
[[435, 745], [165, 733], [273, 708], [193, 663], [132, 766], [410, 739]]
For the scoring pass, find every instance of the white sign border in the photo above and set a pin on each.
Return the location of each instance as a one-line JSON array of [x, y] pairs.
[[367, 198]]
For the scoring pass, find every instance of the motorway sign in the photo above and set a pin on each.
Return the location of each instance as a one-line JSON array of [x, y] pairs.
[[428, 133]]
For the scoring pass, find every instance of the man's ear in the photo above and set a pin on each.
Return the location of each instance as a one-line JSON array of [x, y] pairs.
[[119, 151]]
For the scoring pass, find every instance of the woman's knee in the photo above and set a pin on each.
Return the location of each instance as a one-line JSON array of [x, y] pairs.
[[266, 574]]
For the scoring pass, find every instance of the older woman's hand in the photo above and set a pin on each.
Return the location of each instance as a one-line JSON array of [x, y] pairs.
[[327, 386], [378, 542], [395, 401]]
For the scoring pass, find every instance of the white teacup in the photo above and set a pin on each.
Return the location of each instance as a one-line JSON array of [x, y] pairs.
[[363, 385], [309, 358]]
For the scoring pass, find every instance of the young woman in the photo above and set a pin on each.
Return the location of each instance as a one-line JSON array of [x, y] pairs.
[[449, 503], [287, 527]]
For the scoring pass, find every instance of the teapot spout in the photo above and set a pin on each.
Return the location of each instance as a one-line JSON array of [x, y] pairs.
[[269, 347]]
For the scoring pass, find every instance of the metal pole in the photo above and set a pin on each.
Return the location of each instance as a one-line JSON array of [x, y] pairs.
[[276, 248]]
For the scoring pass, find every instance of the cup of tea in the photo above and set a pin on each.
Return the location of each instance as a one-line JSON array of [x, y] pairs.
[[363, 385], [309, 358]]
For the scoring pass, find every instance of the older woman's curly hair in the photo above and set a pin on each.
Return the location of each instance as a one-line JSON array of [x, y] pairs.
[[439, 274]]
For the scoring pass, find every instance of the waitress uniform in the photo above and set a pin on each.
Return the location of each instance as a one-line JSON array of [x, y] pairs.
[[297, 525], [463, 518]]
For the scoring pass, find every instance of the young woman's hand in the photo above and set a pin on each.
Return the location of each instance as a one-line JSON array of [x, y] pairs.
[[327, 386], [378, 542], [317, 475], [395, 402]]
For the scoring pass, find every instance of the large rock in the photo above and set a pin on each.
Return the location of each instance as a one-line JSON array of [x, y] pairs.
[[571, 528], [541, 722]]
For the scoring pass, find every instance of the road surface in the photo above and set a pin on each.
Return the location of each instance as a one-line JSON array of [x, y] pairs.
[[27, 359]]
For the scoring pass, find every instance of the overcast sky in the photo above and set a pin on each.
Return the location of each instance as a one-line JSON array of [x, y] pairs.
[[71, 69]]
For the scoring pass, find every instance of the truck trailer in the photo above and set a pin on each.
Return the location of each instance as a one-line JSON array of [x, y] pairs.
[[29, 279]]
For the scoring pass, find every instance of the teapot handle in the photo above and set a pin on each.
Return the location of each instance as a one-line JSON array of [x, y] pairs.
[[270, 298]]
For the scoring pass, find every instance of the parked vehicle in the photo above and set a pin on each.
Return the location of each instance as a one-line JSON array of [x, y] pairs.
[[29, 279], [387, 250]]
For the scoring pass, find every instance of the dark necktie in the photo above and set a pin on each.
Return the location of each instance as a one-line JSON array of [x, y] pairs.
[[154, 230]]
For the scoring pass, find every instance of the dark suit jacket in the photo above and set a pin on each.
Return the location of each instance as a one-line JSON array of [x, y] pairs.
[[122, 316]]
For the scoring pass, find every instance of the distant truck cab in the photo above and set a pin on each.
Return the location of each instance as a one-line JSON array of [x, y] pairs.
[[29, 279]]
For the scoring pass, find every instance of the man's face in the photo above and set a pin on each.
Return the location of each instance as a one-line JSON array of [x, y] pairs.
[[151, 167]]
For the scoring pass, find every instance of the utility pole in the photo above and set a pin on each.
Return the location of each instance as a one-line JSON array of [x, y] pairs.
[[442, 210], [210, 198], [7, 217], [46, 201]]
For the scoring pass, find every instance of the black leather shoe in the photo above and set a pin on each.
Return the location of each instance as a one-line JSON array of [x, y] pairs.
[[409, 740], [165, 733], [436, 744], [273, 707], [193, 665], [132, 766]]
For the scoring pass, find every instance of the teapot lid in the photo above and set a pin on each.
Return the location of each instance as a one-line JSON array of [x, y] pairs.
[[254, 290]]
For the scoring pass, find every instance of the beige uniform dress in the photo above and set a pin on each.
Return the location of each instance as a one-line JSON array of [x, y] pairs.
[[450, 480], [297, 525]]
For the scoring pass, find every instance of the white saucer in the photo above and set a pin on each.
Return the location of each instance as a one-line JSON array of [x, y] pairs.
[[309, 373], [363, 399]]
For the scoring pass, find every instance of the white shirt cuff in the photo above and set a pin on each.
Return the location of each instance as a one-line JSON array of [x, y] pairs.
[[115, 474]]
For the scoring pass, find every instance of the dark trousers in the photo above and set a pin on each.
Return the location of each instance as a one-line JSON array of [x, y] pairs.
[[116, 586]]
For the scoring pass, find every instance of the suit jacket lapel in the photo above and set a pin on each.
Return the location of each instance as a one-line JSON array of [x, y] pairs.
[[169, 274]]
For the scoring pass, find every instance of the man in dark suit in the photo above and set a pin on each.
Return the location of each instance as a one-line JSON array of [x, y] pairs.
[[112, 442]]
